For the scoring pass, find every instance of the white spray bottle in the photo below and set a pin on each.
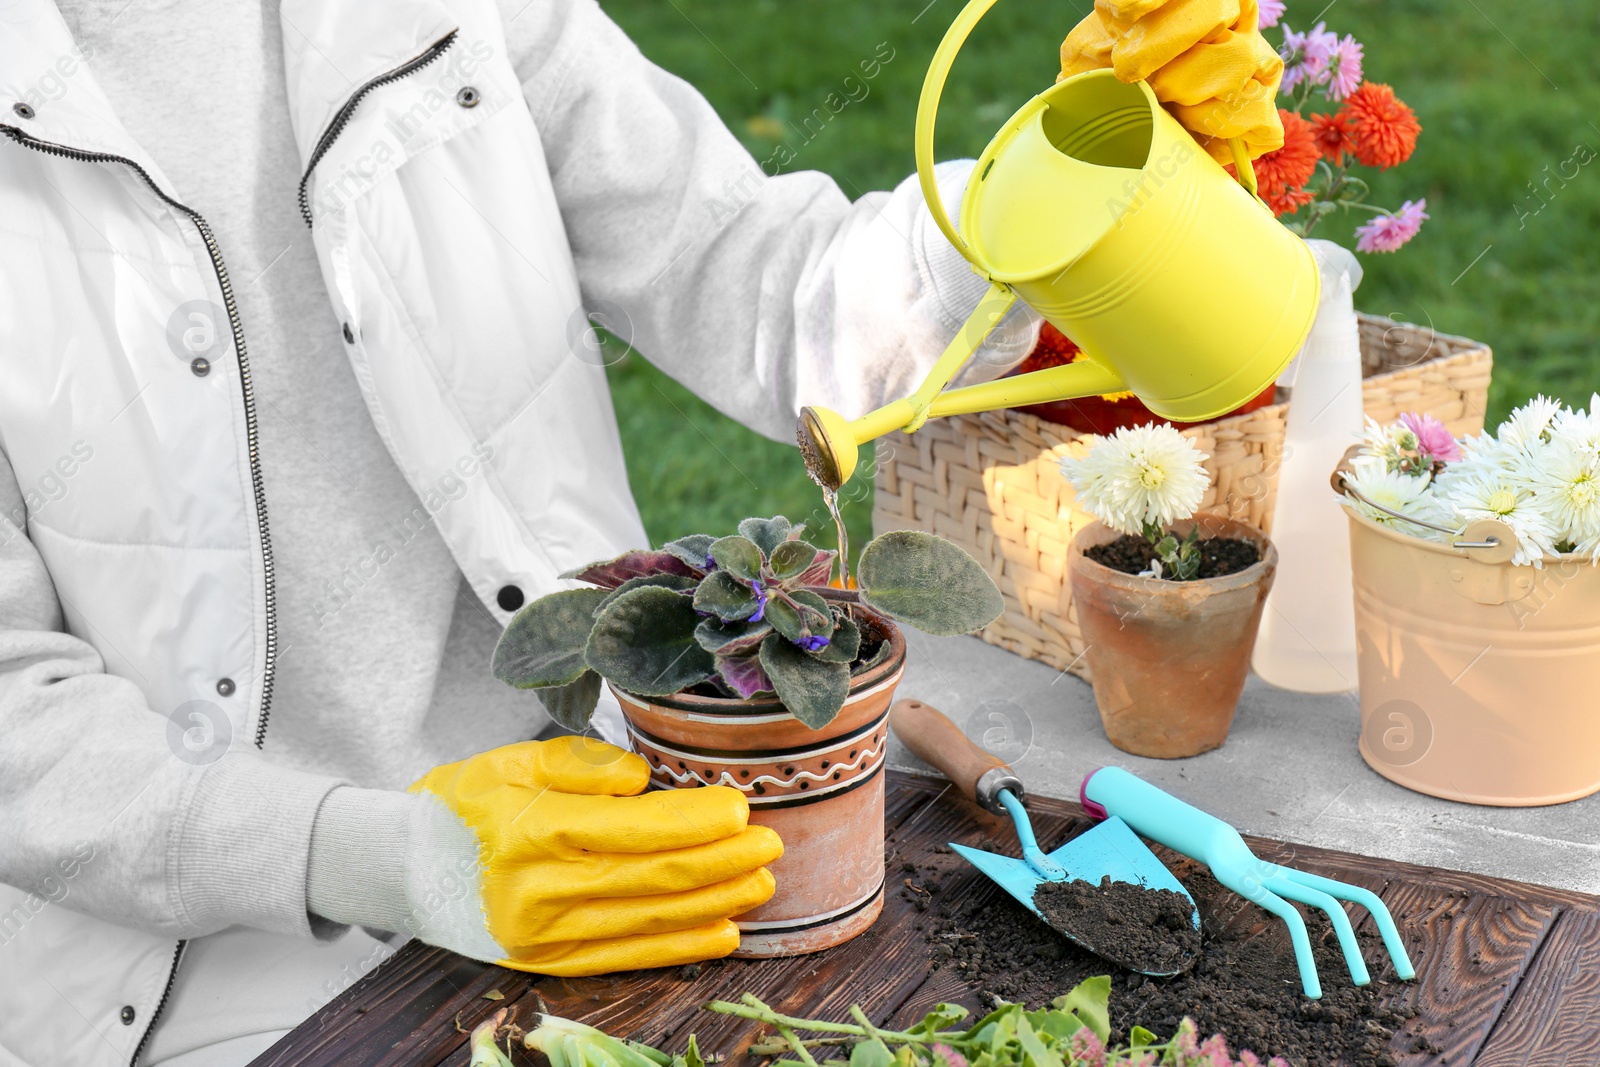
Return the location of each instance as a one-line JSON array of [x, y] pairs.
[[1307, 641]]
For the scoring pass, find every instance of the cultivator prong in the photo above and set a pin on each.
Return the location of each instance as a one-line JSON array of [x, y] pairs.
[[1112, 791]]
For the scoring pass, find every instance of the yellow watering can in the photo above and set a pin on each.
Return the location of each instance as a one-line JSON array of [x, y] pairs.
[[1094, 206]]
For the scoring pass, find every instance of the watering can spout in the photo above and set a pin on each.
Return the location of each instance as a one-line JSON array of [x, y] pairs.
[[1097, 209]]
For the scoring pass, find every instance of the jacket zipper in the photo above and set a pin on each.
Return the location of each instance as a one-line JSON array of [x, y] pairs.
[[342, 117], [251, 433], [166, 992]]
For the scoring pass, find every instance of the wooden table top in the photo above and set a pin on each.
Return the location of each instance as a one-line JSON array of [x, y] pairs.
[[1508, 972]]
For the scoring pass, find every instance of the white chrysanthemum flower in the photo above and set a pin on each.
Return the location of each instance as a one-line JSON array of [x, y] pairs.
[[1528, 425], [1387, 443], [1474, 490], [1139, 475], [1579, 430], [1408, 494], [1566, 488]]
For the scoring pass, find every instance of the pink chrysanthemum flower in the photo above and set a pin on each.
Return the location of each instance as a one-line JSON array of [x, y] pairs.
[[1271, 11], [1306, 55], [1434, 442], [1344, 68], [1387, 233]]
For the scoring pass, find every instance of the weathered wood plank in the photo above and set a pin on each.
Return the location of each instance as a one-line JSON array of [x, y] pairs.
[[1471, 951], [1553, 1019]]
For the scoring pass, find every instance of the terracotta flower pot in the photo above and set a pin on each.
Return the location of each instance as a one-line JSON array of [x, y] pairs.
[[1169, 659], [821, 790]]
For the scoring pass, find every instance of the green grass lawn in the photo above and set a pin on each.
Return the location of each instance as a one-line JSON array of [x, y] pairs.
[[1506, 92]]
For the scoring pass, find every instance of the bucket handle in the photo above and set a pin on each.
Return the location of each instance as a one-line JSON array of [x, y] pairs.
[[944, 58], [1342, 485]]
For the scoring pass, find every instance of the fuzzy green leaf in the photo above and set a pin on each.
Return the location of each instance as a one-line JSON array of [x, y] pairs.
[[871, 1053], [768, 534], [573, 705], [812, 690], [676, 582], [543, 645], [726, 597], [730, 638], [791, 559], [844, 645], [739, 556], [644, 642], [808, 615], [928, 582], [695, 550]]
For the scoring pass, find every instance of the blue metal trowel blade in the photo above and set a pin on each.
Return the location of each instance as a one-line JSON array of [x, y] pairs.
[[1109, 849]]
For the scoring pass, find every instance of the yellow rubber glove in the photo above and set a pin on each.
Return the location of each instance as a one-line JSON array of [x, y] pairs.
[[1204, 59], [549, 856]]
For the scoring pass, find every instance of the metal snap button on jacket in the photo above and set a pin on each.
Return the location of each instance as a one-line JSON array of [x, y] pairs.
[[225, 687], [25, 111], [468, 96], [127, 1015], [509, 598], [349, 335], [201, 366]]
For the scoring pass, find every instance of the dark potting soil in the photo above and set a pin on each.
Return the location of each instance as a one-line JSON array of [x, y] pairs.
[[1244, 986], [1218, 555], [1142, 929]]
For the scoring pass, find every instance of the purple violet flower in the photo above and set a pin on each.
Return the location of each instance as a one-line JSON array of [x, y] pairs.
[[761, 600], [814, 643]]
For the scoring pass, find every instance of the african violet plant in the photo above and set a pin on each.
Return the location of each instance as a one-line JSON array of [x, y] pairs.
[[745, 614]]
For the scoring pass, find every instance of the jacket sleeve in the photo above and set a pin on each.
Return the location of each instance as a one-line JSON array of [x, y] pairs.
[[105, 807], [760, 287]]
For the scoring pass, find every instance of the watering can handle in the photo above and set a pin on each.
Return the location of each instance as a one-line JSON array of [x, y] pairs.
[[944, 58]]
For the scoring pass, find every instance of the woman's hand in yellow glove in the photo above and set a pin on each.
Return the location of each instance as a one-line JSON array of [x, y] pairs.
[[549, 856]]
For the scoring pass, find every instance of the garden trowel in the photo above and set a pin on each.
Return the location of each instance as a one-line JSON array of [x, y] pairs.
[[1110, 849]]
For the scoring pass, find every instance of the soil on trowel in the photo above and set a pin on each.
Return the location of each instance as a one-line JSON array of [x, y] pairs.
[[1244, 985], [1143, 929], [1218, 555]]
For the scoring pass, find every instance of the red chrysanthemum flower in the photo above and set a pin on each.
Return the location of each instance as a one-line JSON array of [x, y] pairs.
[[1385, 129], [1281, 175], [1053, 350], [1334, 136]]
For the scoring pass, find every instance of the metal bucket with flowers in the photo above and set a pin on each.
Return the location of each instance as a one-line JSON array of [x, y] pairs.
[[1477, 601]]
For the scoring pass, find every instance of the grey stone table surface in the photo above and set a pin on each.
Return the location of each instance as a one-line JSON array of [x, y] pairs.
[[1290, 769]]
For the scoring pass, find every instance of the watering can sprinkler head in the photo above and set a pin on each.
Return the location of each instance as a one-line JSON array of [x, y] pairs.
[[828, 446], [1095, 207]]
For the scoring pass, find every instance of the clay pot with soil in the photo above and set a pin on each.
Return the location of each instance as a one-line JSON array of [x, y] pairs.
[[1170, 658], [737, 665], [1169, 603]]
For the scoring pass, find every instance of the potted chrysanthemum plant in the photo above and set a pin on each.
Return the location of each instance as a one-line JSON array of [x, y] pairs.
[[1477, 603], [738, 665], [1168, 601]]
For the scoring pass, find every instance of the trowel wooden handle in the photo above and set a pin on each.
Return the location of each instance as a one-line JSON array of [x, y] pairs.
[[934, 739]]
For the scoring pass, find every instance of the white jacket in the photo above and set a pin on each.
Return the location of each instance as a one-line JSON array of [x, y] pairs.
[[469, 202]]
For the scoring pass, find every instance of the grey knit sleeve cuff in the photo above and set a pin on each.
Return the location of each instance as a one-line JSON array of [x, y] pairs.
[[356, 871]]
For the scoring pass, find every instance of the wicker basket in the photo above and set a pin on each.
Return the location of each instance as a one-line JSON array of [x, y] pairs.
[[991, 484]]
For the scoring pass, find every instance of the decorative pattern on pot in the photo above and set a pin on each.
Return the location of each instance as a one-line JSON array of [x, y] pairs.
[[768, 779], [821, 790]]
